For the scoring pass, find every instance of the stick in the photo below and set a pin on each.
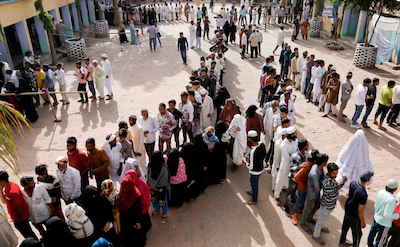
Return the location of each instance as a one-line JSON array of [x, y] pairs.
[[52, 108]]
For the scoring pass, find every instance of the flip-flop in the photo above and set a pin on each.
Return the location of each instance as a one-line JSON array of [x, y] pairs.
[[154, 214], [366, 127], [348, 243], [324, 229], [382, 128], [164, 216], [278, 203], [319, 240], [307, 230]]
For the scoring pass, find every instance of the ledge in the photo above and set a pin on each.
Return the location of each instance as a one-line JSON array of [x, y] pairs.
[[8, 1]]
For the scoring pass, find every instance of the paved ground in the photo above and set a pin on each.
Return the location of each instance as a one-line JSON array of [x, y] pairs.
[[218, 218]]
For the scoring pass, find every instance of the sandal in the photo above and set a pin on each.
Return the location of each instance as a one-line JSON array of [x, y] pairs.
[[348, 243], [375, 122], [306, 229], [382, 128], [164, 216], [249, 192], [324, 229], [250, 202], [278, 203], [366, 127], [312, 221], [319, 240], [154, 214]]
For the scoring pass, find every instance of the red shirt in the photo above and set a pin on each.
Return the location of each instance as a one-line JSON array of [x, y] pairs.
[[79, 161], [14, 197], [302, 176], [397, 222]]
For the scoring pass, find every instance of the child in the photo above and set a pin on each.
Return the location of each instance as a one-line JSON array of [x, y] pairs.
[[328, 201]]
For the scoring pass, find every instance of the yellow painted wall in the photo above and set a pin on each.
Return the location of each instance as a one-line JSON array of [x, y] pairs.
[[326, 21], [14, 12]]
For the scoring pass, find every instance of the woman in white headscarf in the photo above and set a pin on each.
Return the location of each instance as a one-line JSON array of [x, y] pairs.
[[354, 158], [132, 164], [79, 224], [237, 130]]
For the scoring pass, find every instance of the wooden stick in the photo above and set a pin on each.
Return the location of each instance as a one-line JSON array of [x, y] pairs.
[[52, 108]]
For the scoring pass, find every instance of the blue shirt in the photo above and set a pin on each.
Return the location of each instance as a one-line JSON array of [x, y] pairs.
[[357, 196], [242, 12], [385, 206], [199, 13], [182, 44], [48, 79]]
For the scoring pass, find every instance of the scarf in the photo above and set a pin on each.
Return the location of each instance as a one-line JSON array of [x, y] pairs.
[[144, 190], [251, 111], [173, 161], [128, 193]]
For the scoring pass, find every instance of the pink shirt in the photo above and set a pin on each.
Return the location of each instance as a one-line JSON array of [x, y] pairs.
[[180, 176], [89, 69], [81, 72]]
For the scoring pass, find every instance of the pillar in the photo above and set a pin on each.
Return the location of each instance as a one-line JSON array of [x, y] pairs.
[[24, 39], [92, 17], [54, 14], [67, 19], [361, 26], [346, 22], [84, 13], [75, 15], [3, 51], [42, 35]]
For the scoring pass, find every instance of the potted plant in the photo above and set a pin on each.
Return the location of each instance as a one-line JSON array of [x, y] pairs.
[[366, 53]]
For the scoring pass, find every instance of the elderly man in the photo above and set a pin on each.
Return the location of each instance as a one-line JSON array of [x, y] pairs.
[[207, 109], [150, 127], [109, 79], [113, 150], [167, 124], [70, 180], [138, 143], [99, 78], [61, 30]]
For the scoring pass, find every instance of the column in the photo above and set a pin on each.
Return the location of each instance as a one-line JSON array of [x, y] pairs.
[[67, 19], [54, 14], [75, 15], [362, 21], [3, 50], [84, 13], [42, 35], [346, 22], [24, 39], [92, 17]]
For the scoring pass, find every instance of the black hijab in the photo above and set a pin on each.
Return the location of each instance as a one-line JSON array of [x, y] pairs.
[[222, 95], [31, 242], [220, 129], [251, 111], [155, 164], [173, 161], [97, 207], [58, 234]]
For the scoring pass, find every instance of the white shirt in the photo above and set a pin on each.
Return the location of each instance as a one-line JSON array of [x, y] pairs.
[[291, 108], [219, 22], [281, 37], [192, 30], [115, 157], [30, 60], [14, 79], [60, 76], [37, 204], [244, 38], [187, 111], [396, 95], [151, 125], [359, 95], [70, 182]]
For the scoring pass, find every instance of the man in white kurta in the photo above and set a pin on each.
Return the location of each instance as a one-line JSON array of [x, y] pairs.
[[288, 147], [138, 144], [269, 124], [163, 12], [112, 148], [300, 62], [273, 15], [172, 11], [167, 12], [193, 14], [108, 75], [192, 31], [317, 90], [70, 180], [207, 109], [304, 76], [222, 13], [280, 131]]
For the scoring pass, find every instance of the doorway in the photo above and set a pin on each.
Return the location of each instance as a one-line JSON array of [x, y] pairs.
[[72, 17], [13, 44], [34, 36]]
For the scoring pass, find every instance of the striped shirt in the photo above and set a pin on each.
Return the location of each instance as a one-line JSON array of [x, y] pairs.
[[295, 161], [330, 192]]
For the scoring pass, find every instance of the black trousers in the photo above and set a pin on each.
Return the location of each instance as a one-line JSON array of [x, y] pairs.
[[187, 133], [82, 87], [159, 17], [149, 148], [254, 49], [309, 90], [383, 111], [206, 31], [25, 229], [394, 233], [353, 222], [393, 114], [243, 50], [259, 48], [176, 137]]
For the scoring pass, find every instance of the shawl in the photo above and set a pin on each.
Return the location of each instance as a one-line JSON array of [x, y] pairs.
[[144, 190], [228, 111], [162, 179], [128, 193]]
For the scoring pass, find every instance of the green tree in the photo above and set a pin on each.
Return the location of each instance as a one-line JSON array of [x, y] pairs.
[[47, 21], [371, 7], [12, 123], [116, 13], [79, 8]]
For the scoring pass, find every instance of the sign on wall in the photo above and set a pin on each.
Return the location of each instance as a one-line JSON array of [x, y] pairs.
[[328, 10]]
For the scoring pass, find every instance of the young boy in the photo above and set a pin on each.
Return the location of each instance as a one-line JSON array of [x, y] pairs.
[[328, 201]]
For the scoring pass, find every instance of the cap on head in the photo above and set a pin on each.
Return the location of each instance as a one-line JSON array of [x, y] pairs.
[[103, 55], [333, 68], [252, 134], [203, 91], [290, 130], [366, 175], [392, 184], [133, 116], [61, 160], [349, 74]]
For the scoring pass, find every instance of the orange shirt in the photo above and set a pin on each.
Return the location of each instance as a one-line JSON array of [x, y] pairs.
[[302, 176]]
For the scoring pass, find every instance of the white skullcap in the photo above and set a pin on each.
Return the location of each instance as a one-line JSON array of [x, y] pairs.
[[333, 68], [305, 51], [203, 91], [189, 85], [392, 184], [61, 20], [133, 116], [252, 133], [61, 160], [104, 55], [290, 130], [289, 88], [112, 138], [283, 132], [95, 61]]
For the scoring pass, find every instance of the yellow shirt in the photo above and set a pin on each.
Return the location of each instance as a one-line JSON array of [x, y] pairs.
[[40, 75]]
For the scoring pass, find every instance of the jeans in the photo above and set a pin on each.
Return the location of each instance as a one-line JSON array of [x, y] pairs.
[[254, 186], [82, 87], [311, 206], [253, 49], [150, 148], [357, 114], [306, 86], [394, 113], [52, 95], [153, 41], [243, 50], [259, 48], [158, 37], [322, 218], [301, 199], [291, 191], [164, 208], [382, 235], [368, 110], [183, 55], [25, 229], [353, 222], [206, 31], [198, 42], [91, 88]]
